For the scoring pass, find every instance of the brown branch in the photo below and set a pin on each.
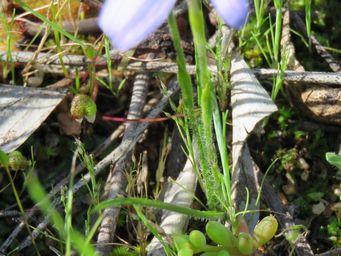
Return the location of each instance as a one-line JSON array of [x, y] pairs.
[[288, 49]]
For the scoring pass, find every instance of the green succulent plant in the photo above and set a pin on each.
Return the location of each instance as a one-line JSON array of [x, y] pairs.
[[227, 244]]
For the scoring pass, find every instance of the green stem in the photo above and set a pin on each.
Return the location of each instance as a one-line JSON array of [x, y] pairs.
[[183, 76], [207, 103], [278, 29], [188, 99], [196, 19], [160, 205]]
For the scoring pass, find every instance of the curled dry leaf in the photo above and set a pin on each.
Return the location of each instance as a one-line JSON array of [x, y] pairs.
[[250, 105], [22, 111], [179, 192]]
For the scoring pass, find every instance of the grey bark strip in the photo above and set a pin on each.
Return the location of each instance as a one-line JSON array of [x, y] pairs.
[[117, 180], [112, 157], [49, 58], [288, 49], [313, 77], [302, 78]]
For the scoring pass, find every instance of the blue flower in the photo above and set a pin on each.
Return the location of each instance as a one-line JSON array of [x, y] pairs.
[[128, 22]]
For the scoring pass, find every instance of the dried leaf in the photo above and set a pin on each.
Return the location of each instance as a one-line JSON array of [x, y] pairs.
[[250, 105], [179, 192], [22, 111]]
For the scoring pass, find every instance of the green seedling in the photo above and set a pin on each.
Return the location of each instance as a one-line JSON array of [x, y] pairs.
[[265, 230], [226, 243], [82, 106], [16, 161], [292, 235], [295, 232]]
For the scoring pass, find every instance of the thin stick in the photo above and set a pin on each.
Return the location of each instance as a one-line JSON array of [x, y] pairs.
[[117, 179], [333, 64], [326, 78]]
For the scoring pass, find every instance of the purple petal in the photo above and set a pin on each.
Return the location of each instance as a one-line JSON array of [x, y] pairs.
[[233, 12], [128, 22]]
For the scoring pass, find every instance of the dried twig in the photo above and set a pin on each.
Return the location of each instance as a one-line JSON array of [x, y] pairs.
[[9, 213], [326, 78], [53, 59], [301, 78], [333, 64], [117, 180], [288, 49]]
